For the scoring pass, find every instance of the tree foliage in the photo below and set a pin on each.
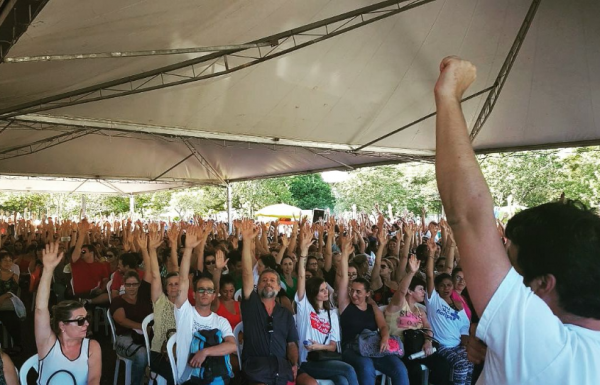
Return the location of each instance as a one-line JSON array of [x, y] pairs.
[[310, 192]]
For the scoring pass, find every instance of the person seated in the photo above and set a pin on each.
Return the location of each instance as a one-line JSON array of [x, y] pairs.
[[270, 353], [63, 349], [163, 307], [287, 276], [10, 305], [357, 314], [448, 320], [405, 312], [127, 262], [224, 304], [129, 311], [318, 324], [89, 276], [200, 318], [383, 283]]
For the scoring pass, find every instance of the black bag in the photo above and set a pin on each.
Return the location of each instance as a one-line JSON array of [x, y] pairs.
[[324, 355], [414, 340]]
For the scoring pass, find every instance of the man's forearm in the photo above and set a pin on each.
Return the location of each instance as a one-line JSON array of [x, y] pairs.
[[292, 353], [461, 184]]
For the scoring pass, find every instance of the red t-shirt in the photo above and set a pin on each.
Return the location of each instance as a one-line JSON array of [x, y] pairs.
[[88, 276], [233, 319], [117, 280]]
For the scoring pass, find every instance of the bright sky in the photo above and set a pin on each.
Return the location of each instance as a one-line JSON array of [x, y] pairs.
[[335, 176]]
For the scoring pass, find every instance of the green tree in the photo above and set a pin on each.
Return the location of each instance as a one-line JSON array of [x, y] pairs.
[[310, 192], [250, 196]]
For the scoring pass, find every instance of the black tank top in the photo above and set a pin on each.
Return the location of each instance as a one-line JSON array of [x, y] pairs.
[[353, 321]]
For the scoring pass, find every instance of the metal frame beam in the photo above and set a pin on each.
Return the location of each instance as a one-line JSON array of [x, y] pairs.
[[492, 97], [43, 121], [15, 18], [121, 54], [219, 63], [40, 145]]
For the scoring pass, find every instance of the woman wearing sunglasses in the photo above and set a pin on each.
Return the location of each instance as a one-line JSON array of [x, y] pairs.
[[65, 352]]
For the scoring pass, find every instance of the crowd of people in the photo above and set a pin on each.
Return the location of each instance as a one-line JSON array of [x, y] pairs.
[[340, 300]]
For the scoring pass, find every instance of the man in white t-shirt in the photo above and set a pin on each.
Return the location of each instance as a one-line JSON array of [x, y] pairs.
[[547, 332], [190, 319]]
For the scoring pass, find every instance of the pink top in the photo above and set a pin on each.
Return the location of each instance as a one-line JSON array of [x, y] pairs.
[[459, 298]]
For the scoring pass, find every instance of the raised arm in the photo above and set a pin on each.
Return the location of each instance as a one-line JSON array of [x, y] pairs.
[[376, 282], [173, 236], [399, 297], [305, 242], [403, 257], [292, 246], [249, 232], [464, 192], [429, 267], [141, 241], [450, 253], [220, 263], [328, 252], [342, 273], [152, 269], [191, 241], [284, 245], [82, 229], [44, 336]]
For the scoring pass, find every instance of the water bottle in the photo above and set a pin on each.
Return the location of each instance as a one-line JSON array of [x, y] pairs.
[[420, 354]]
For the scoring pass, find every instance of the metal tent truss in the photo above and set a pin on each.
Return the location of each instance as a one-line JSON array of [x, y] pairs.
[[220, 63], [15, 17]]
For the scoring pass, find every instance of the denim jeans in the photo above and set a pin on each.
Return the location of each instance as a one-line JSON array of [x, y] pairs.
[[391, 366], [337, 371], [137, 353]]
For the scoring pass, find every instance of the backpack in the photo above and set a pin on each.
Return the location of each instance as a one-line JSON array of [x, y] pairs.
[[214, 370]]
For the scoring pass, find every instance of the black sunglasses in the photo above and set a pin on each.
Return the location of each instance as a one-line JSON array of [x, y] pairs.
[[211, 262], [80, 321], [270, 324]]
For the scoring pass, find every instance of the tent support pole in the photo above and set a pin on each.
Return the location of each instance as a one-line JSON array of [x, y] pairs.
[[83, 206], [131, 204], [229, 211], [492, 97]]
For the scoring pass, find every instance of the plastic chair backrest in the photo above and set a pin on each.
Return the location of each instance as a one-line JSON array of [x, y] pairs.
[[111, 322], [238, 295], [31, 363], [108, 285], [239, 328], [149, 318], [172, 360]]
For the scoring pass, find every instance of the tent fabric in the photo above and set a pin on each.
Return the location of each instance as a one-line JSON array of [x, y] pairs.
[[300, 112]]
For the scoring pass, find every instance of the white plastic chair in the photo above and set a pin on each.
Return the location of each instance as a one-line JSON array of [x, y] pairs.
[[172, 360], [157, 378], [108, 285], [128, 362], [239, 328], [238, 295], [31, 363]]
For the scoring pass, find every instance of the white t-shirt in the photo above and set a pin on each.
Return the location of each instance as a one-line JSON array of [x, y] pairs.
[[528, 344], [188, 321], [447, 324], [313, 326]]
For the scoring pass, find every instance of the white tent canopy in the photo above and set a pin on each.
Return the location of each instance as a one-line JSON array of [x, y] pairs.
[[280, 210], [316, 88]]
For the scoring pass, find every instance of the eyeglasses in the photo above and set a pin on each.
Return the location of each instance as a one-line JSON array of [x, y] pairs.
[[211, 262], [384, 267], [203, 290], [136, 284], [80, 321], [270, 324]]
